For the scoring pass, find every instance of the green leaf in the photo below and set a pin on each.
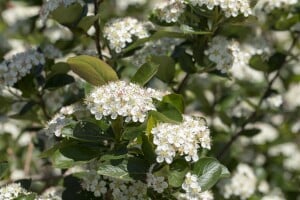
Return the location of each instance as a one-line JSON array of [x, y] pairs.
[[209, 171], [87, 21], [130, 133], [115, 171], [68, 15], [185, 61], [3, 168], [155, 36], [60, 68], [176, 100], [137, 168], [177, 172], [276, 61], [69, 155], [169, 111], [88, 131], [92, 69], [285, 23], [59, 80], [148, 149], [166, 70], [26, 197], [171, 117], [250, 132], [145, 73], [256, 62]]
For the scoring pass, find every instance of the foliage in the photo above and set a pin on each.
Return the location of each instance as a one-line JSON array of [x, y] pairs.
[[173, 99]]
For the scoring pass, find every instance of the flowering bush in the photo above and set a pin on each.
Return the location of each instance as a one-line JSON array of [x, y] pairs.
[[170, 99]]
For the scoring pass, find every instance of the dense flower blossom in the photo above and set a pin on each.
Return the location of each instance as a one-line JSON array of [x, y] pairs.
[[157, 183], [242, 183], [12, 70], [12, 191], [169, 10], [122, 99], [122, 31], [51, 5], [123, 190], [230, 7], [61, 119], [185, 138]]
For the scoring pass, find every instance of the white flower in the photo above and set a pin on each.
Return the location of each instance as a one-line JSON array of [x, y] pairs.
[[267, 134], [290, 151], [242, 183], [12, 70], [56, 124], [122, 99], [224, 53], [12, 191], [157, 183], [292, 97], [51, 52], [231, 8], [51, 5], [122, 31], [169, 10], [185, 138], [192, 189], [53, 193]]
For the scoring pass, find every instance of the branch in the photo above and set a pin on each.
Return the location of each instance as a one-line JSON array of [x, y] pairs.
[[98, 30], [223, 151]]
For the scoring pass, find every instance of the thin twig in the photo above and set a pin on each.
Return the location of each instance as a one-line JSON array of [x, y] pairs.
[[97, 29], [28, 158], [182, 83], [227, 146]]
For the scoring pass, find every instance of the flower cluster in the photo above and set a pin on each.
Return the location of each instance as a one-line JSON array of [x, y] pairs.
[[223, 52], [61, 119], [51, 52], [157, 183], [120, 32], [230, 7], [124, 99], [52, 193], [169, 10], [290, 151], [12, 191], [269, 5], [185, 138], [100, 185], [159, 47], [50, 5], [19, 65], [191, 186], [192, 189], [242, 183]]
